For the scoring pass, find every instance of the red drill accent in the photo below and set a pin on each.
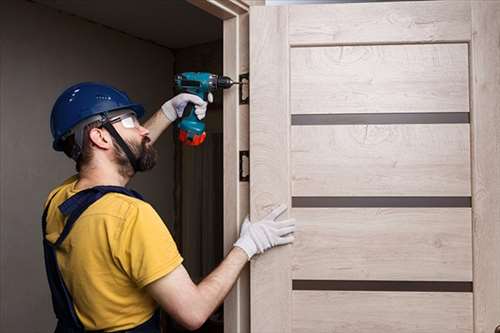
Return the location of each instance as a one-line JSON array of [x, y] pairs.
[[195, 141]]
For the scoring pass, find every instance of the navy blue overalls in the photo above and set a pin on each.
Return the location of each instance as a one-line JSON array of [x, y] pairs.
[[68, 321]]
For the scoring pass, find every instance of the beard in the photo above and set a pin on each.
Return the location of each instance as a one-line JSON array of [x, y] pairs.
[[144, 152]]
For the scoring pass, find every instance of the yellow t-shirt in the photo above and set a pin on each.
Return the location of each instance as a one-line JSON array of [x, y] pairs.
[[116, 247]]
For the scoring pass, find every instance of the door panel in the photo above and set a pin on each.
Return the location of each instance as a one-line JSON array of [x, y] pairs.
[[380, 160], [354, 312], [380, 78], [361, 122], [419, 244], [379, 23]]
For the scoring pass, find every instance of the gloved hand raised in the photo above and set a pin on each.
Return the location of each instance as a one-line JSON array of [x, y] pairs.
[[174, 107], [259, 236]]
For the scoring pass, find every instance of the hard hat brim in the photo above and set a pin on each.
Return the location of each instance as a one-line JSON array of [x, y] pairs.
[[58, 145]]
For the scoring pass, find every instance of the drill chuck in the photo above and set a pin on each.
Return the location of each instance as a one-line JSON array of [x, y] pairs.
[[225, 82]]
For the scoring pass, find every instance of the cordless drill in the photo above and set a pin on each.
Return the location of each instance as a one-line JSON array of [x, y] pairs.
[[191, 129]]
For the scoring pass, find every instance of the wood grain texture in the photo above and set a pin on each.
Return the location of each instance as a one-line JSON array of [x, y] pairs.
[[387, 22], [270, 282], [236, 133], [212, 8], [409, 244], [231, 136], [223, 9], [243, 324], [254, 2], [381, 78], [231, 171], [485, 120], [388, 312], [244, 279], [361, 160], [244, 114], [381, 160], [244, 47]]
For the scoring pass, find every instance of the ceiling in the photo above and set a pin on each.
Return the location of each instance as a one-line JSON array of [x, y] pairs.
[[172, 23]]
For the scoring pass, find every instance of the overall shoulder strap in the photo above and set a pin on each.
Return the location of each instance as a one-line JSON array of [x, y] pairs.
[[78, 203], [62, 303], [68, 321]]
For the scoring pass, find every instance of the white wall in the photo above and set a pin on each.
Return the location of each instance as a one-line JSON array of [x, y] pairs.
[[43, 51]]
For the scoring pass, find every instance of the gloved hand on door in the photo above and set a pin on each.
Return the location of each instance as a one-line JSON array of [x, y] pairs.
[[257, 237]]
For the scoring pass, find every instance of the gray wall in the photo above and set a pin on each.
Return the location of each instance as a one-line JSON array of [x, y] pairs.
[[42, 52]]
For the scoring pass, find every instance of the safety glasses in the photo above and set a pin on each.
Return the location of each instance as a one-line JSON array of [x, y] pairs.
[[128, 120]]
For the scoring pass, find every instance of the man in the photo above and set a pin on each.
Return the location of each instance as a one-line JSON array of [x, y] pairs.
[[110, 259]]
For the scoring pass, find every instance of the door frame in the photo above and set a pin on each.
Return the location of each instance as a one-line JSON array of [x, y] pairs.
[[234, 14]]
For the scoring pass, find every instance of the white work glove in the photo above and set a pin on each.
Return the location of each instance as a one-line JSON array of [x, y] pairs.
[[259, 236], [174, 107]]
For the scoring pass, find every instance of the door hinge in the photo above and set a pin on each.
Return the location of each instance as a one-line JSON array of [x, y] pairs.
[[244, 166], [244, 88]]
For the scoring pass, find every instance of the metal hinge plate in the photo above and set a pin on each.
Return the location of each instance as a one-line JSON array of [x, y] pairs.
[[244, 166], [244, 88]]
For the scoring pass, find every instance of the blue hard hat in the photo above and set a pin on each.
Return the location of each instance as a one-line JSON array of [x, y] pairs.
[[82, 101]]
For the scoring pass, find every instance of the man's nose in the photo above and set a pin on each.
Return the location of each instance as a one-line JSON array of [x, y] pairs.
[[143, 130]]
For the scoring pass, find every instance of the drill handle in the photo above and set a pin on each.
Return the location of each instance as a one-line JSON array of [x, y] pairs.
[[189, 113], [191, 129]]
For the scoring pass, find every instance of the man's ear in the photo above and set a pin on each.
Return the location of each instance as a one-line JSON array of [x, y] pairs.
[[100, 138]]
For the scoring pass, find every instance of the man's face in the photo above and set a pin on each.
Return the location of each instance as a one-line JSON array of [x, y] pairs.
[[136, 136]]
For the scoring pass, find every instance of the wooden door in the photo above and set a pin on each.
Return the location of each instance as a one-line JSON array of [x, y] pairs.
[[378, 124]]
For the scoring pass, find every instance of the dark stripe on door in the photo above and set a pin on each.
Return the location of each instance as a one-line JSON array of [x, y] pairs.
[[381, 118], [318, 202], [351, 285]]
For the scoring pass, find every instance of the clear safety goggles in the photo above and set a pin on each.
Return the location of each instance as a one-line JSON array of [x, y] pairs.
[[128, 120]]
